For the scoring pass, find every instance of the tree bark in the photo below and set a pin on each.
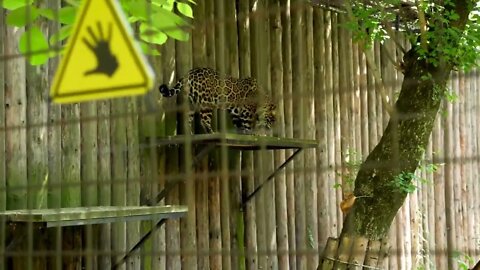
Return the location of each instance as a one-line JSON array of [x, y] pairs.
[[389, 167]]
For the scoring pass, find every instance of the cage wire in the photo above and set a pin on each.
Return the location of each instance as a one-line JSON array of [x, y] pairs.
[[128, 183]]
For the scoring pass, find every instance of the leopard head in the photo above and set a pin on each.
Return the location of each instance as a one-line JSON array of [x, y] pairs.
[[266, 116]]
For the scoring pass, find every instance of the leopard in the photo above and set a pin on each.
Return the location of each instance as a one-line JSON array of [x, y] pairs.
[[252, 111]]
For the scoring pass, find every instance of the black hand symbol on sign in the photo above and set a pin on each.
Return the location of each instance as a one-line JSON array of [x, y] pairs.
[[106, 62]]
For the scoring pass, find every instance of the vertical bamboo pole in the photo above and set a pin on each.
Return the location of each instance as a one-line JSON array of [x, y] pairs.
[[355, 110], [365, 110], [259, 39], [133, 177], [462, 164], [199, 43], [153, 171], [457, 168], [320, 92], [15, 140], [475, 187], [15, 121], [336, 141], [183, 50], [448, 188], [36, 148], [3, 178], [105, 183], [261, 70], [470, 146], [248, 184], [288, 120], [473, 101], [329, 115], [172, 227], [54, 149], [88, 169], [234, 162], [221, 184], [36, 112], [310, 154], [298, 79], [344, 90], [119, 175], [276, 70]]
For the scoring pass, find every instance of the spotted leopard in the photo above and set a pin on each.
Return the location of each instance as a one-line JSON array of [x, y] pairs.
[[208, 91]]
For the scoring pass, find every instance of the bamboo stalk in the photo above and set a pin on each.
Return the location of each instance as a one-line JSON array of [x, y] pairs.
[[329, 115], [15, 115], [310, 154], [298, 66], [288, 121], [259, 63], [172, 227], [276, 70], [104, 192], [54, 146], [88, 170], [199, 40], [3, 173], [248, 185], [119, 176], [321, 94], [183, 51], [448, 187], [336, 139], [133, 176]]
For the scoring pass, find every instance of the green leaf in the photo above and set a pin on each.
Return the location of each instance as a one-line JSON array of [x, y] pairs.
[[178, 34], [22, 16], [15, 4], [165, 20], [67, 15], [185, 9], [147, 49], [75, 3], [61, 35], [137, 9], [34, 45], [168, 5], [47, 13], [159, 2], [150, 34]]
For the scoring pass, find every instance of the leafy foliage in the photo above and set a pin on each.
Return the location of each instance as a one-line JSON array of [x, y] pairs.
[[156, 22], [429, 25], [406, 181]]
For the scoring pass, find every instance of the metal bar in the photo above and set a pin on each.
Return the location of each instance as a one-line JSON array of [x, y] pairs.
[[139, 243], [270, 177]]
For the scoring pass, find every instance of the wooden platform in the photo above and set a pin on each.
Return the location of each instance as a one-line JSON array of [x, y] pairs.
[[94, 215], [239, 141]]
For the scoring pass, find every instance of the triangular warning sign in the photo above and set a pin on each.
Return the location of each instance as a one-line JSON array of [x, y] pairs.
[[101, 60]]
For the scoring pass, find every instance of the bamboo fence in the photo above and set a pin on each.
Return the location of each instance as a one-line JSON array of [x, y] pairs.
[[95, 153]]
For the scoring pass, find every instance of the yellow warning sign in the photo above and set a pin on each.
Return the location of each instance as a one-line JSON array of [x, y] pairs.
[[101, 60]]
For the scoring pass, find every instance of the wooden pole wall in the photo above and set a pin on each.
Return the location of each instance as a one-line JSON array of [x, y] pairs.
[[318, 78]]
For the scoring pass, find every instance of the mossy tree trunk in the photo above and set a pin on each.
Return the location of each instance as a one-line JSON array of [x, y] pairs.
[[396, 157]]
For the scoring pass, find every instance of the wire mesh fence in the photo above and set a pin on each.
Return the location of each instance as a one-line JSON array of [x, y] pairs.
[[124, 184]]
